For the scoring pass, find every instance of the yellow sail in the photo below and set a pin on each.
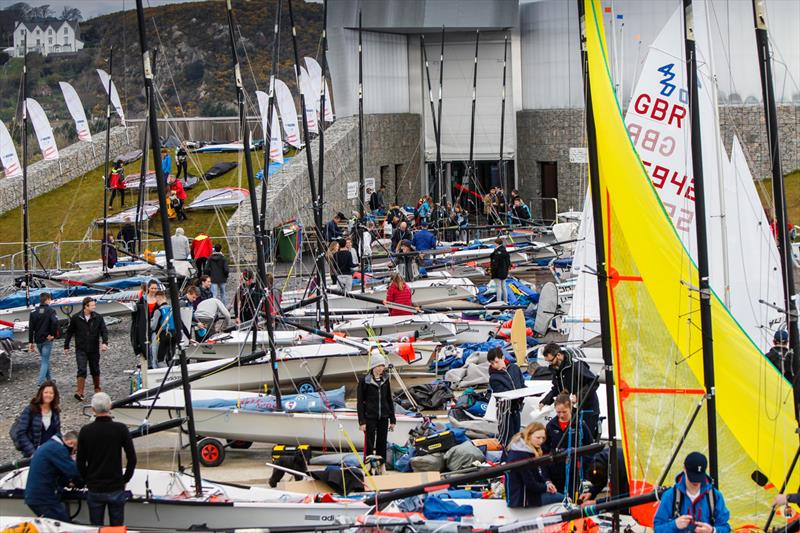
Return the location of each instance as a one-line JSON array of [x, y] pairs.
[[656, 334]]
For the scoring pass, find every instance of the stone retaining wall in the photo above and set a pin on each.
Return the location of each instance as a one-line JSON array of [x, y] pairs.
[[392, 155], [74, 160]]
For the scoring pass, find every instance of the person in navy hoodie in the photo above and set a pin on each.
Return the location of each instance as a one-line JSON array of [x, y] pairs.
[[39, 421], [692, 504], [529, 486], [52, 468], [504, 377]]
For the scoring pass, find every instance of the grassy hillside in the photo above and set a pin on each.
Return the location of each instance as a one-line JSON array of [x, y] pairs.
[[792, 185], [67, 213]]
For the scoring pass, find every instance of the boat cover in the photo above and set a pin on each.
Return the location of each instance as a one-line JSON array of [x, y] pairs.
[[150, 209], [219, 169], [219, 198], [273, 168], [132, 181], [291, 403], [17, 299], [129, 157]]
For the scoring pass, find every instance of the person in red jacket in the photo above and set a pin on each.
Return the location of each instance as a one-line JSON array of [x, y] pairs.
[[201, 249], [398, 293], [116, 183]]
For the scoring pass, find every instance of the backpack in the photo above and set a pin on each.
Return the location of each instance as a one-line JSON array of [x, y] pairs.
[[711, 496]]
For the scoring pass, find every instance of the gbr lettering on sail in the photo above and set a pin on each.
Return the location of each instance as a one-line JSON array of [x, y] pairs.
[[659, 127]]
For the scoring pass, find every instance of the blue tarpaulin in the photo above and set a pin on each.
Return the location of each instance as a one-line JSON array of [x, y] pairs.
[[291, 403], [17, 299]]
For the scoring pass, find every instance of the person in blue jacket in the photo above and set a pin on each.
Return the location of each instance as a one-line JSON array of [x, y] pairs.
[[692, 504], [529, 486], [423, 239], [40, 419], [166, 163], [52, 468]]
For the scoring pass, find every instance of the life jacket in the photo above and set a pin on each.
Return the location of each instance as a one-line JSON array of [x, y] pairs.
[[710, 496]]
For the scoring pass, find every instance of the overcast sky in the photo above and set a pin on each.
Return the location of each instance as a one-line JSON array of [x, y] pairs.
[[91, 8]]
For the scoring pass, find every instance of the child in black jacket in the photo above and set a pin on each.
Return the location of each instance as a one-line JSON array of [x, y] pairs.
[[375, 407]]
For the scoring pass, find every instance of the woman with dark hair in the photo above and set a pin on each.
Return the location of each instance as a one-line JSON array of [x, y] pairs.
[[109, 257], [140, 320], [39, 421]]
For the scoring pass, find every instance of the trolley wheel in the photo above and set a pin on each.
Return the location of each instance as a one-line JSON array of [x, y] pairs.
[[211, 452], [239, 444], [306, 387]]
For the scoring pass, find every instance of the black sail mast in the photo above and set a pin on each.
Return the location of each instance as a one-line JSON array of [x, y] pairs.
[[26, 245], [103, 244], [261, 266], [172, 278], [501, 165], [600, 253], [361, 191], [470, 175], [704, 287], [439, 169]]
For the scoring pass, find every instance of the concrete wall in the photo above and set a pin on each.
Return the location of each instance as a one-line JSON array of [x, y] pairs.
[[392, 151], [74, 161], [548, 134]]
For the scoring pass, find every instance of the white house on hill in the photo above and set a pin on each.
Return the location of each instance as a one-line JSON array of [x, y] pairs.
[[47, 36]]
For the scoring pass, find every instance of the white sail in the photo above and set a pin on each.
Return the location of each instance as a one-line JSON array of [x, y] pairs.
[[8, 154], [658, 124], [288, 113], [583, 318], [315, 75], [104, 79], [76, 110], [275, 142], [329, 116], [44, 133], [311, 111]]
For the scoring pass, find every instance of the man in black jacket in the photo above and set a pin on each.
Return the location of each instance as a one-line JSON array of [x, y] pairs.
[[573, 376], [332, 230], [128, 236], [217, 268], [100, 447], [91, 338], [42, 329], [500, 264], [504, 377]]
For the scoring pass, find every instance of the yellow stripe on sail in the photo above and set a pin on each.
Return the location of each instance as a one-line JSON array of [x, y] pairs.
[[754, 403]]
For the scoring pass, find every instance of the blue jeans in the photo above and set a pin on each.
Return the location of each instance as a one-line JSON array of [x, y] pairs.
[[44, 370], [115, 501], [548, 498], [54, 511], [218, 291]]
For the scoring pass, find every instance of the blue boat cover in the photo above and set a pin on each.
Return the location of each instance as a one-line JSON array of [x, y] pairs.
[[436, 508], [291, 403], [17, 299]]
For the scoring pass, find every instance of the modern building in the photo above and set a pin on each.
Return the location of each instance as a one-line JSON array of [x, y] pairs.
[[47, 36], [542, 129]]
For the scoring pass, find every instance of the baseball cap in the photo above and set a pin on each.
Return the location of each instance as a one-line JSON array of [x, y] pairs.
[[781, 336], [695, 465]]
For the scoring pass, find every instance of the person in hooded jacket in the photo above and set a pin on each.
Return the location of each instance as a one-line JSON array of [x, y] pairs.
[[249, 298], [201, 250], [180, 245], [42, 330], [128, 236], [375, 407], [140, 319], [217, 269], [529, 486], [117, 184], [504, 377], [780, 355], [500, 264], [574, 377], [565, 431], [40, 420], [52, 468], [692, 504]]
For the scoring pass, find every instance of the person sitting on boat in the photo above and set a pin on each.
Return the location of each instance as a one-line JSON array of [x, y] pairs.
[[116, 182], [424, 239], [40, 420], [600, 478], [398, 292], [505, 377], [565, 432], [781, 356], [332, 230], [692, 504], [52, 469], [109, 255], [162, 332], [408, 261], [375, 407], [248, 298], [529, 486], [573, 376]]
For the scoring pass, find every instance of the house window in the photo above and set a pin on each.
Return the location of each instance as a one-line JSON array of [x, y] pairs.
[[38, 31], [65, 30], [50, 31], [66, 40], [49, 40]]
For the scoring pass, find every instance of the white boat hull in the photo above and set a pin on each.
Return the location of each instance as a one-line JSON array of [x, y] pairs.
[[434, 326], [235, 343], [66, 307]]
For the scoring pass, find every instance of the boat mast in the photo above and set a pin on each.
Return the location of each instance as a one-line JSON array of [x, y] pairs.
[[172, 278], [778, 190], [258, 234], [439, 170], [501, 166], [600, 253], [103, 244], [430, 91], [317, 205], [361, 191], [26, 252], [470, 175], [702, 238], [276, 36], [321, 184]]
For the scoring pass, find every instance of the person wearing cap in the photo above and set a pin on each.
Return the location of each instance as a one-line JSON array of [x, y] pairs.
[[375, 407], [692, 504], [781, 357]]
